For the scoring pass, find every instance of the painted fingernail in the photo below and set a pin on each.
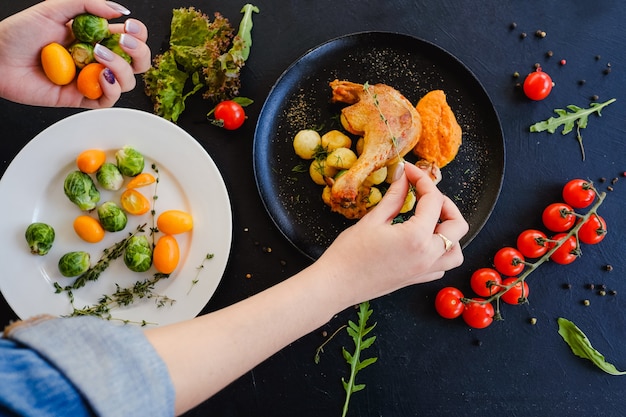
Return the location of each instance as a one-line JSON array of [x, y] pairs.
[[103, 52], [109, 76], [130, 26], [128, 41], [399, 170], [118, 7]]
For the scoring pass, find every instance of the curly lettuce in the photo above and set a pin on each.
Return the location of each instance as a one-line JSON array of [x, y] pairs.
[[203, 55]]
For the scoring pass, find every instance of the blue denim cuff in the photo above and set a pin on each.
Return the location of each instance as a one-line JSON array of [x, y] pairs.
[[114, 367]]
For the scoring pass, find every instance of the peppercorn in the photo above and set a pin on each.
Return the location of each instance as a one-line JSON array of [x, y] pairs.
[[516, 74], [602, 179], [602, 293], [594, 97], [581, 82], [591, 286], [513, 25], [567, 286], [248, 275], [608, 268], [478, 342], [609, 188], [522, 35], [613, 292], [614, 180], [607, 71], [586, 302], [533, 321], [540, 33], [549, 54]]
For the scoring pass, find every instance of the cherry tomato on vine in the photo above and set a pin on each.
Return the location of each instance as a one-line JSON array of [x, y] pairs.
[[558, 217], [567, 252], [478, 315], [516, 294], [509, 261], [229, 114], [485, 281], [532, 243], [448, 303], [593, 231], [537, 85], [579, 193]]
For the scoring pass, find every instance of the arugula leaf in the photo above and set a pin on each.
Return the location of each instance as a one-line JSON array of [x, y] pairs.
[[581, 346], [358, 332]]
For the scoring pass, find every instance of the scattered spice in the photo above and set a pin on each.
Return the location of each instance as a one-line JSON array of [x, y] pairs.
[[513, 25], [523, 35], [533, 320], [613, 292], [591, 286], [549, 54], [567, 286], [586, 302], [614, 180], [540, 33], [602, 293], [248, 275], [562, 62], [609, 188], [582, 82], [594, 97], [608, 268]]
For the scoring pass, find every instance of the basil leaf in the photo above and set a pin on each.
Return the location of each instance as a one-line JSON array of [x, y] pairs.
[[581, 346]]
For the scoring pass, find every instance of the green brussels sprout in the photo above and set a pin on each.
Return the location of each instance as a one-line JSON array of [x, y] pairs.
[[81, 190], [129, 161], [89, 28], [112, 217], [110, 177], [113, 43], [73, 264], [138, 254], [40, 237], [82, 54]]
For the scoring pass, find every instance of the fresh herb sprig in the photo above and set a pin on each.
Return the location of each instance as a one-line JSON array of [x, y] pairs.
[[577, 117], [123, 297], [374, 97], [358, 332]]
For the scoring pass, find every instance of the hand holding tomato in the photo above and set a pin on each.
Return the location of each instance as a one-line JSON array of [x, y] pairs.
[[21, 60]]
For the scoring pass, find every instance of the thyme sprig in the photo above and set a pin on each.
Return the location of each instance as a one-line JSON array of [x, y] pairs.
[[125, 296], [92, 274], [199, 269], [374, 97]]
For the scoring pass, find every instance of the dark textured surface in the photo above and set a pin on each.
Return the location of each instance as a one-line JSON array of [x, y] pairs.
[[428, 366]]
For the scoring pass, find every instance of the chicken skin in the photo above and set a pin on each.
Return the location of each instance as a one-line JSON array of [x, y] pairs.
[[390, 126]]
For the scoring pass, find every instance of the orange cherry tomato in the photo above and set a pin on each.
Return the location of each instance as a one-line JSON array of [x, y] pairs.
[[173, 222], [88, 82], [134, 202], [141, 180], [90, 161], [166, 254], [58, 64], [88, 229]]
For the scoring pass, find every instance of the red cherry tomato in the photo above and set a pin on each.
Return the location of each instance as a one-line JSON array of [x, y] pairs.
[[567, 252], [579, 193], [593, 231], [558, 217], [532, 243], [537, 85], [230, 113], [478, 315], [509, 261], [485, 281], [448, 303], [516, 294]]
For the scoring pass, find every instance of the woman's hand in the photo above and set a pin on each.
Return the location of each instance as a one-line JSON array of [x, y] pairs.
[[375, 257], [23, 35]]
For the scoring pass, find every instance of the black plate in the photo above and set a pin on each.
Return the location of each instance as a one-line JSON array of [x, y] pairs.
[[300, 100]]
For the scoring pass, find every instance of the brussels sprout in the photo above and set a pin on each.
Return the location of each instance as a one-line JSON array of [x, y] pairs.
[[110, 177], [82, 54], [138, 254], [113, 43], [89, 28], [129, 161], [112, 217], [40, 237], [81, 190], [73, 264]]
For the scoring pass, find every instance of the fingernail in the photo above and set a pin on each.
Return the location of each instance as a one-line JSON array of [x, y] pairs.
[[103, 52], [109, 76], [128, 41], [118, 7], [399, 170], [130, 26]]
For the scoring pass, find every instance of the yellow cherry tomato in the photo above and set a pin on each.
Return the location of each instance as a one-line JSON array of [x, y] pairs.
[[173, 222], [58, 64], [166, 254], [88, 81], [134, 202], [90, 161], [141, 180], [88, 229]]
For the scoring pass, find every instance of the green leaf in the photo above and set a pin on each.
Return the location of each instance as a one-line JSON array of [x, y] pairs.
[[245, 29], [581, 346], [367, 342], [365, 363], [569, 119]]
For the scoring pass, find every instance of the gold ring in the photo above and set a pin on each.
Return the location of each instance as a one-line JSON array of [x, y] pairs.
[[447, 242]]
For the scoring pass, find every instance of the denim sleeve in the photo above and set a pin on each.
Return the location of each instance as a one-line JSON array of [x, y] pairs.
[[113, 367]]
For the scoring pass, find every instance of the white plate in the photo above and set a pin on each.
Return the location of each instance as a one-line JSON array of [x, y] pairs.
[[32, 191]]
